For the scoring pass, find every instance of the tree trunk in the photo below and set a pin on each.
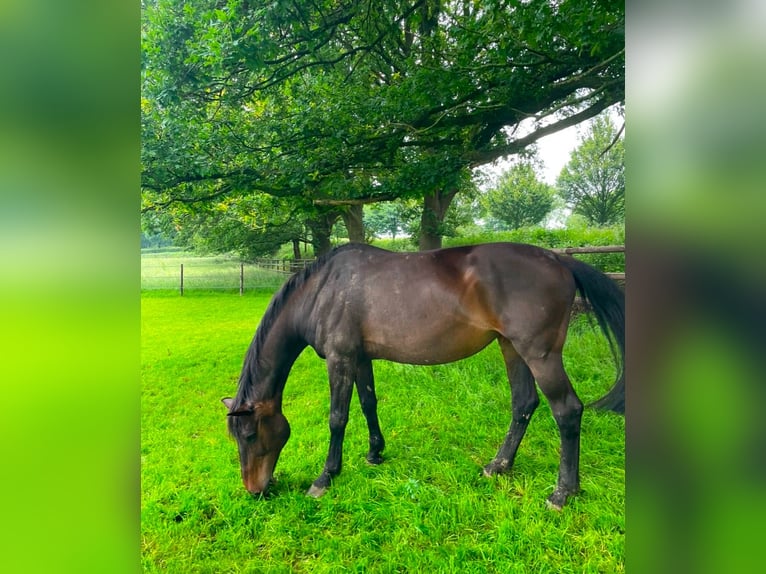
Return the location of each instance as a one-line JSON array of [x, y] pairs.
[[321, 228], [435, 205], [296, 248], [352, 217]]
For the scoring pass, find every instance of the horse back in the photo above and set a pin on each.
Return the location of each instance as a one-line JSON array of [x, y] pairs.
[[434, 306]]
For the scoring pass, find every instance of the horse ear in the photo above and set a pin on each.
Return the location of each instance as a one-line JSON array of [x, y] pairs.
[[246, 409]]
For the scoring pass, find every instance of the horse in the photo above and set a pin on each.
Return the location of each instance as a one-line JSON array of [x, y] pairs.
[[359, 303]]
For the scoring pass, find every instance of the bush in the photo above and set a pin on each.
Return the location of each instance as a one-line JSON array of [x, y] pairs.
[[398, 244], [557, 239]]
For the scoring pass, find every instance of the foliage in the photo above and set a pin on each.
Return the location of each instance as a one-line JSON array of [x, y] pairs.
[[549, 238], [593, 182], [401, 217], [391, 218], [519, 199], [425, 509], [154, 241], [155, 232], [560, 238], [252, 226], [332, 101]]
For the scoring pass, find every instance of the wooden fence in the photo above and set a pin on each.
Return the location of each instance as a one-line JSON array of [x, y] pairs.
[[619, 277], [288, 266]]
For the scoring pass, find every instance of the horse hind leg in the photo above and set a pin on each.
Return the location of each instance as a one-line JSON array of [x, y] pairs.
[[524, 401], [365, 386], [567, 409]]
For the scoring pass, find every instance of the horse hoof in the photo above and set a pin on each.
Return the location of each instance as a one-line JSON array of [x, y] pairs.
[[316, 491], [558, 499], [375, 460], [496, 467], [552, 505]]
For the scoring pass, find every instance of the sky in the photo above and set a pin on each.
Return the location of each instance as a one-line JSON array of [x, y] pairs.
[[554, 151]]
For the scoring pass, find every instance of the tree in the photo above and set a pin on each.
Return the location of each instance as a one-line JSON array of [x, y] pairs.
[[253, 226], [390, 218], [519, 199], [348, 101], [593, 182]]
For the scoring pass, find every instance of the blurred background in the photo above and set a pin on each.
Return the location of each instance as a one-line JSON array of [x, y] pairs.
[[695, 174]]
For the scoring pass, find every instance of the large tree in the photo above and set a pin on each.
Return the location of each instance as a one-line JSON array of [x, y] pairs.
[[519, 198], [593, 181], [344, 102]]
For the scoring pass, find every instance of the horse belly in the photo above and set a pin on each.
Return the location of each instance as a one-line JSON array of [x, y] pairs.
[[424, 317], [426, 344]]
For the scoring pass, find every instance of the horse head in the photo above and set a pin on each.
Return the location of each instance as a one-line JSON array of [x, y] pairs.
[[261, 431]]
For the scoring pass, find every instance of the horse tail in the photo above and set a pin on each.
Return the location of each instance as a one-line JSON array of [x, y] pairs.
[[607, 301]]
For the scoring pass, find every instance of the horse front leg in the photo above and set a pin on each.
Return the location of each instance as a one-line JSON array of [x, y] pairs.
[[342, 372], [365, 387]]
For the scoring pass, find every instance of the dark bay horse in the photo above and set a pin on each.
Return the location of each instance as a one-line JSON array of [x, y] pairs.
[[360, 303]]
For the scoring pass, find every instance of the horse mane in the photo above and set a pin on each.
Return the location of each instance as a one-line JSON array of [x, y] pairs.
[[278, 302]]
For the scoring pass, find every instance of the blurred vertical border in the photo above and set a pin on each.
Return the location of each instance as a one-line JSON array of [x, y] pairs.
[[69, 293], [696, 173]]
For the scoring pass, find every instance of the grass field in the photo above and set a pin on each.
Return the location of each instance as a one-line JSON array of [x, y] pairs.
[[425, 509], [162, 270]]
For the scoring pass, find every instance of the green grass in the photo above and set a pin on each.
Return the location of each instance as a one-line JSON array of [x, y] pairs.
[[425, 509]]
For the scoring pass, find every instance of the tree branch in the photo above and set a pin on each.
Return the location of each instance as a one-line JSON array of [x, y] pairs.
[[157, 205], [356, 200], [481, 157], [614, 140]]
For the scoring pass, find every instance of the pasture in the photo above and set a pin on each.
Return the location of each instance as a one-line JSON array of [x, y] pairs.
[[162, 270], [425, 509]]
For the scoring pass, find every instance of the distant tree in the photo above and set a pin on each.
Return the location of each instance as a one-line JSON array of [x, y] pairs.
[[390, 218], [519, 199], [155, 232], [593, 182]]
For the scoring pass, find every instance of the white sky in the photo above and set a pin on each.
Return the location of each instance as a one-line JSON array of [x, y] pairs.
[[553, 150]]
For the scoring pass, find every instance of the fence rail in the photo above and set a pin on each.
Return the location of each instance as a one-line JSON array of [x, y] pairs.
[[210, 273], [619, 277], [288, 266]]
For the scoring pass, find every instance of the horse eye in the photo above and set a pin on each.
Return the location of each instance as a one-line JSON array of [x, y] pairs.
[[251, 438]]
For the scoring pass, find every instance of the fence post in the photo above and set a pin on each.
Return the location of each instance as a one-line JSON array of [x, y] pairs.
[[182, 279], [241, 278]]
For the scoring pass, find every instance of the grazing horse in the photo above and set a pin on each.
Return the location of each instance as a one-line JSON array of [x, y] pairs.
[[360, 303]]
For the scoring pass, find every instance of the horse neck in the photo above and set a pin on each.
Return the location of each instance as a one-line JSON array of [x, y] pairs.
[[268, 363]]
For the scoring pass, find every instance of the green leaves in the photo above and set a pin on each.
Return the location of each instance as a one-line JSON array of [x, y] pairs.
[[519, 200], [321, 99], [593, 182]]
